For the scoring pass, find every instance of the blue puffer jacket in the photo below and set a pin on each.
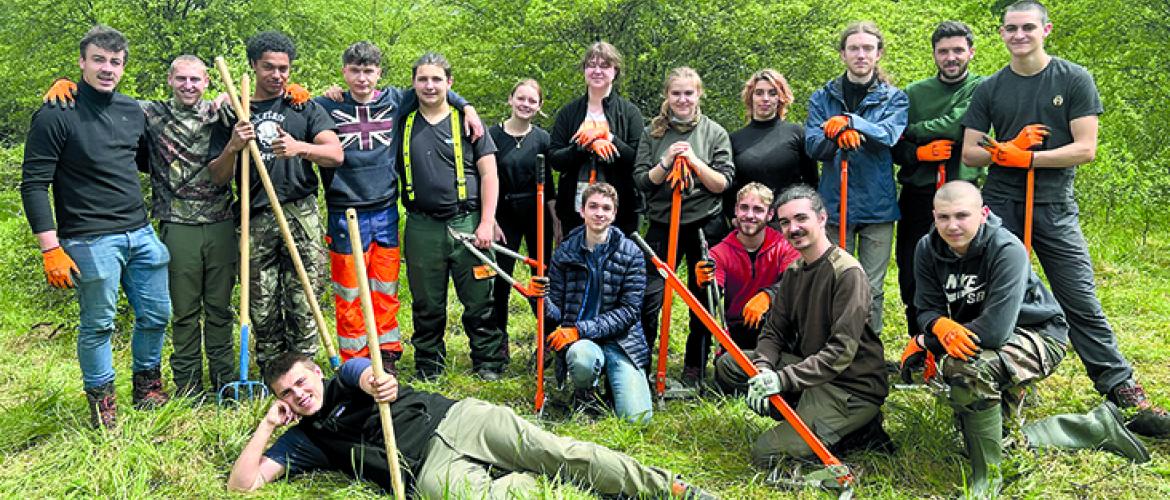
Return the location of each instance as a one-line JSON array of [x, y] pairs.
[[623, 279], [880, 118]]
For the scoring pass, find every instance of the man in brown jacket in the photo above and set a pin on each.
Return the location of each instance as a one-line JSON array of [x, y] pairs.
[[816, 349]]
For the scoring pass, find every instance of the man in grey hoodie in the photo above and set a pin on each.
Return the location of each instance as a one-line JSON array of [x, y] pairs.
[[995, 329]]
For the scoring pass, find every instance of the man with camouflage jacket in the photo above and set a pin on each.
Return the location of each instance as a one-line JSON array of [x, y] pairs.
[[196, 224]]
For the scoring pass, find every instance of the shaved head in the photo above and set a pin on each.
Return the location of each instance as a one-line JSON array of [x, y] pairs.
[[956, 191], [958, 214]]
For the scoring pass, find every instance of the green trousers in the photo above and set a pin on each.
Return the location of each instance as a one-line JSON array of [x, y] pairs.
[[431, 257], [202, 276], [830, 411], [477, 437]]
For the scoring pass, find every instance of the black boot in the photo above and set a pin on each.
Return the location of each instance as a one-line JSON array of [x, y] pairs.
[[103, 405], [1143, 417], [148, 389]]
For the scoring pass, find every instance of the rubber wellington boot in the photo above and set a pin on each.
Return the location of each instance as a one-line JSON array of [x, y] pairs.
[[1102, 429], [982, 434]]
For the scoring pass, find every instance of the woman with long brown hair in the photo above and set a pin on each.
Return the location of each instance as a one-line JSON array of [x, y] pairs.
[[682, 130]]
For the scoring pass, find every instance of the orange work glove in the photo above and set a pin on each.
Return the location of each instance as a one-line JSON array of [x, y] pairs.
[[296, 96], [1031, 136], [914, 358], [537, 287], [939, 150], [959, 342], [61, 94], [680, 175], [704, 272], [589, 133], [835, 125], [59, 268], [1006, 154], [604, 149], [850, 139], [755, 309], [563, 337]]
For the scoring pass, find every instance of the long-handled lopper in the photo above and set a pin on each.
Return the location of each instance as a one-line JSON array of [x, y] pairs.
[[1029, 195], [359, 264], [244, 388], [244, 114], [838, 474], [468, 241], [539, 396], [679, 177], [714, 302]]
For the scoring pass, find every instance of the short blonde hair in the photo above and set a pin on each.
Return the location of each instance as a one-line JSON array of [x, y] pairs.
[[764, 193]]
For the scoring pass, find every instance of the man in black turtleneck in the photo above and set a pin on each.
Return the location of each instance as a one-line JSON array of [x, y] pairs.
[[90, 159], [929, 150]]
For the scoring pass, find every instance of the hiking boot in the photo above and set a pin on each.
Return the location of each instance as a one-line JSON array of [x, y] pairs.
[[692, 377], [1102, 429], [1144, 418], [982, 431], [680, 489], [390, 361], [148, 390], [869, 437], [488, 374], [103, 406], [587, 401]]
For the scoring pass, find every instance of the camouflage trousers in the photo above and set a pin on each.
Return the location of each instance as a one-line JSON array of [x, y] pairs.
[[281, 318], [1000, 375]]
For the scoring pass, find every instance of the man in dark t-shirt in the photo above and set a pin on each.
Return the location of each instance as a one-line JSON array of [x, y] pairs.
[[447, 182], [1038, 89], [291, 140], [89, 156], [448, 448]]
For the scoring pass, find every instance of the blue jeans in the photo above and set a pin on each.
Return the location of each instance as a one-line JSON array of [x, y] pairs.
[[631, 392], [138, 261]]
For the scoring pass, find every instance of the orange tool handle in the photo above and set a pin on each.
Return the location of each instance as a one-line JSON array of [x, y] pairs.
[[844, 200], [1029, 201], [539, 397], [741, 360]]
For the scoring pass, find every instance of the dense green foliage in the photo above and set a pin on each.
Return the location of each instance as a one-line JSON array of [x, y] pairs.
[[493, 44]]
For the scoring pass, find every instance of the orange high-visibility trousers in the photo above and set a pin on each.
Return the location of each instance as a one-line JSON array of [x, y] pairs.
[[382, 266]]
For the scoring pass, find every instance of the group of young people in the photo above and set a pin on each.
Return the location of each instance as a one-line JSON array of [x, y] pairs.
[[804, 308]]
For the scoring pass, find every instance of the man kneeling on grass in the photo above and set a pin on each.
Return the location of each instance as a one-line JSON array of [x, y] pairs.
[[449, 448], [995, 329], [595, 296]]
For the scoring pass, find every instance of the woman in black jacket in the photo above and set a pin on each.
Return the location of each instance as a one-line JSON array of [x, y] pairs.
[[518, 142], [595, 139]]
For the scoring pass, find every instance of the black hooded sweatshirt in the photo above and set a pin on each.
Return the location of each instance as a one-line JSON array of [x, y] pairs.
[[991, 289]]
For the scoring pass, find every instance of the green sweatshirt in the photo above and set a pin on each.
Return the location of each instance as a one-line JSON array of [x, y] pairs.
[[711, 144], [936, 112]]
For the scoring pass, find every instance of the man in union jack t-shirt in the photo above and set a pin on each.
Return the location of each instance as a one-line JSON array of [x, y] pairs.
[[368, 182]]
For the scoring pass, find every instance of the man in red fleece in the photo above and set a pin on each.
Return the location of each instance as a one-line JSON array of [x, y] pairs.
[[746, 264]]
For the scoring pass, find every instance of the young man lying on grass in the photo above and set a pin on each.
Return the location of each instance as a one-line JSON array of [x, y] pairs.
[[448, 448]]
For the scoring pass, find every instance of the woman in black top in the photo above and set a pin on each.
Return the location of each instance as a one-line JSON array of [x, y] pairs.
[[768, 150], [601, 111], [518, 142]]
